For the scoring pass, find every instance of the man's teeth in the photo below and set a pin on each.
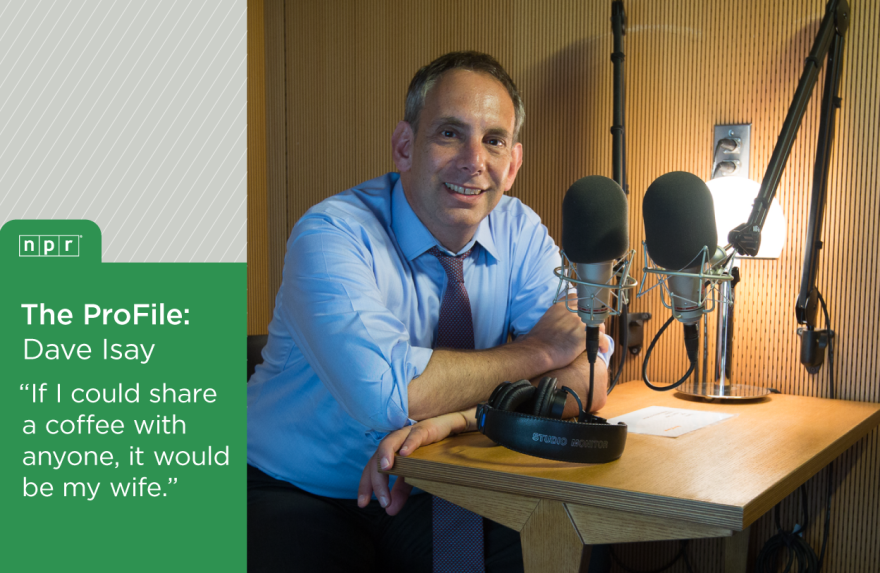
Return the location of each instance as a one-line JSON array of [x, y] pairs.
[[463, 190]]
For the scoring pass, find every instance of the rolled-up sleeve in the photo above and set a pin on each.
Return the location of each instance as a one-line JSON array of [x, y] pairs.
[[338, 317], [534, 286]]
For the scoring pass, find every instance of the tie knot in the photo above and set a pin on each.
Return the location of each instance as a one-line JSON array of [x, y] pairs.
[[452, 264]]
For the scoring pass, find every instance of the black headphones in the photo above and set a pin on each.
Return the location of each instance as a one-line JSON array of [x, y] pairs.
[[529, 420]]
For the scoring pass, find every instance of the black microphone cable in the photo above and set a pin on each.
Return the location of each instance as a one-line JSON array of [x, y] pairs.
[[830, 343], [592, 353], [797, 549], [830, 472], [648, 356], [682, 554], [590, 392]]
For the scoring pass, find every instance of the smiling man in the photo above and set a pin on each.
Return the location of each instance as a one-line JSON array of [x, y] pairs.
[[363, 341], [459, 156]]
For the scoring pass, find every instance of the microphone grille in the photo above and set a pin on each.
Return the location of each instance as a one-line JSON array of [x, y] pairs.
[[595, 225], [679, 219]]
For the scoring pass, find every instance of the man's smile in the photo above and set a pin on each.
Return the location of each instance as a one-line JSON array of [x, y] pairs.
[[463, 190]]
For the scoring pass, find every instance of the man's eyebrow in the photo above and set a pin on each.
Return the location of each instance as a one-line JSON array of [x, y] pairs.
[[450, 121], [453, 121], [498, 132]]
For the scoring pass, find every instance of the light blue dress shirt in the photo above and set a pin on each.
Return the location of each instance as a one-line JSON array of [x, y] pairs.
[[356, 318]]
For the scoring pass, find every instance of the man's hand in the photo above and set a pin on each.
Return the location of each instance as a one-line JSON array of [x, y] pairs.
[[604, 346], [561, 334], [404, 442], [458, 379], [577, 377]]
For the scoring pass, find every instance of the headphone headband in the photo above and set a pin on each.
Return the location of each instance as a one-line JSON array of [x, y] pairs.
[[591, 442]]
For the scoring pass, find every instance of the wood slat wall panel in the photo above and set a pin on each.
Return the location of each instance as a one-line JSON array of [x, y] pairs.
[[337, 72], [258, 243], [278, 226]]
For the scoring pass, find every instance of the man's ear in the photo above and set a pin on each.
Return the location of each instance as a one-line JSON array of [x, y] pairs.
[[515, 163], [402, 146]]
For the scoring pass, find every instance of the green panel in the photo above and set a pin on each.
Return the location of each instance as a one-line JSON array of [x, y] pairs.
[[164, 346]]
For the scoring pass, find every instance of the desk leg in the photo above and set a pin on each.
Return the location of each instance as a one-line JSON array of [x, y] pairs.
[[736, 552], [551, 542]]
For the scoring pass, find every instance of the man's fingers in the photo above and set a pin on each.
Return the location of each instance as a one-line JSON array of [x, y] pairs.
[[416, 438], [371, 480], [379, 484], [374, 482], [399, 494], [390, 445], [365, 488], [603, 343], [403, 441], [385, 452]]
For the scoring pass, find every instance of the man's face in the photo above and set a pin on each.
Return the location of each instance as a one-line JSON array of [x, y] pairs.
[[463, 158]]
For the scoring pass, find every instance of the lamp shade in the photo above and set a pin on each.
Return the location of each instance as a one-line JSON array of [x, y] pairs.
[[733, 198]]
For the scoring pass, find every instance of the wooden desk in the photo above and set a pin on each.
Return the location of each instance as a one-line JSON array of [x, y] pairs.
[[713, 482]]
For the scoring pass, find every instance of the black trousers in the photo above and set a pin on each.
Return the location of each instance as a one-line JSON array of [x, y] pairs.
[[292, 530]]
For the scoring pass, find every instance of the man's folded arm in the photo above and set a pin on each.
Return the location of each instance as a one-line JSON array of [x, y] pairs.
[[362, 352], [458, 380]]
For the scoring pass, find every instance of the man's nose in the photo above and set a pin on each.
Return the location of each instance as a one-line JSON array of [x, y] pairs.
[[472, 158]]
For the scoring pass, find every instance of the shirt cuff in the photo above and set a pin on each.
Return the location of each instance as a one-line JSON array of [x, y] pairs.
[[418, 361], [606, 356]]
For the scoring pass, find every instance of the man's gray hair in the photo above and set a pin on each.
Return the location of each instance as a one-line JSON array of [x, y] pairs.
[[428, 75]]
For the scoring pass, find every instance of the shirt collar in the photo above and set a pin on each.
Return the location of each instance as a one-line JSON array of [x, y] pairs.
[[414, 238], [485, 238]]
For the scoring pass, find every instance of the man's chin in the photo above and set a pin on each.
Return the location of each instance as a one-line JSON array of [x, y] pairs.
[[464, 218]]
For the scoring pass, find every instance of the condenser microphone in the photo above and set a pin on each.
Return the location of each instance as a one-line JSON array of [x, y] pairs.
[[679, 217], [595, 232], [680, 227]]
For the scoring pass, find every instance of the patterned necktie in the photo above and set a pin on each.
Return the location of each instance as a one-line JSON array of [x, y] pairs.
[[458, 533]]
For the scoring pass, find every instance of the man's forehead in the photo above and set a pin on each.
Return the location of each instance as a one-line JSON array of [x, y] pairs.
[[469, 82], [458, 93]]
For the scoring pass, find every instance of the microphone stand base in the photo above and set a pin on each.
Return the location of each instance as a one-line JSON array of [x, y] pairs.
[[713, 391]]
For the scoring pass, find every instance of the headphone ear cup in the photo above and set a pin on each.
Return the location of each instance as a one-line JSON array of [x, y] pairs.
[[503, 391], [556, 404], [515, 395], [493, 399], [544, 397]]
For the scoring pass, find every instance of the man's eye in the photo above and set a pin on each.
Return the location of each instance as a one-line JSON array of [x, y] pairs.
[[494, 141], [448, 133]]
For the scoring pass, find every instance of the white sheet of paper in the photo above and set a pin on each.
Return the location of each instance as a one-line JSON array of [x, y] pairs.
[[670, 422]]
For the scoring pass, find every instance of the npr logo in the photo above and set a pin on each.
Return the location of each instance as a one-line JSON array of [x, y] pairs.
[[48, 245]]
